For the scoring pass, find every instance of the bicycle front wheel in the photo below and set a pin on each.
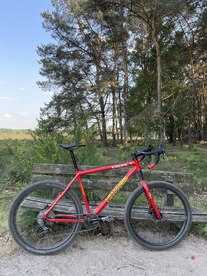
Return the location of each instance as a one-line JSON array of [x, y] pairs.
[[27, 225], [142, 224]]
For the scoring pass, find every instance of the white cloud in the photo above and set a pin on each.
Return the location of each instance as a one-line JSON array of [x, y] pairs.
[[24, 113], [7, 116], [7, 98], [23, 120], [21, 89]]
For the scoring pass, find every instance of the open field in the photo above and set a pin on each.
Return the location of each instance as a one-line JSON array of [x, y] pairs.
[[15, 136]]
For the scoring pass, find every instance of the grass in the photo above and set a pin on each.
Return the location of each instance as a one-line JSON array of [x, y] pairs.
[[5, 201], [190, 161], [178, 159]]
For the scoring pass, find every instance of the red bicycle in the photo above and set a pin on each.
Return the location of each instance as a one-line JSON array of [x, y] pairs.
[[47, 216]]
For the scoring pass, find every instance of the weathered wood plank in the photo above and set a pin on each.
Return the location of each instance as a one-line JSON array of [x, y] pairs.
[[62, 169], [99, 184], [109, 179], [108, 183], [117, 211], [39, 204]]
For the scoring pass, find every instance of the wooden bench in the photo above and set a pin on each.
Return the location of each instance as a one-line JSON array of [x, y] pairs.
[[105, 181]]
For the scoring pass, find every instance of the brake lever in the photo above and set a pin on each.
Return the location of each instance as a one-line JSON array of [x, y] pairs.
[[148, 148], [161, 150]]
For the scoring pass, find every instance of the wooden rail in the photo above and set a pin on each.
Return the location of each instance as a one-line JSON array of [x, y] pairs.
[[170, 213], [107, 180]]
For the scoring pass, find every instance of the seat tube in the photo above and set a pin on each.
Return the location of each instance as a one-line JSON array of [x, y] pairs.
[[73, 160], [83, 192]]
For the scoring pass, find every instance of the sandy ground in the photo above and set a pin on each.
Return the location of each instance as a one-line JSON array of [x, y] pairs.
[[99, 255]]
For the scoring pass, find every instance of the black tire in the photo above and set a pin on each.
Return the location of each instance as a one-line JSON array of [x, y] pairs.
[[31, 231], [142, 224]]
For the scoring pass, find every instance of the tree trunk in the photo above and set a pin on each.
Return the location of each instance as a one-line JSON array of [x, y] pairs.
[[125, 94], [192, 103], [102, 106], [120, 118], [103, 122], [113, 117], [159, 83]]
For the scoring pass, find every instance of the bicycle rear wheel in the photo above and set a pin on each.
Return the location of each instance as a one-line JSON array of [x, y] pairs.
[[27, 225], [142, 224]]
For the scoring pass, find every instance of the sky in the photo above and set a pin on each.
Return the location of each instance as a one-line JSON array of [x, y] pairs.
[[21, 32]]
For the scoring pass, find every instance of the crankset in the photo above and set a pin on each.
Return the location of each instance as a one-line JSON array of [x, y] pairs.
[[92, 221]]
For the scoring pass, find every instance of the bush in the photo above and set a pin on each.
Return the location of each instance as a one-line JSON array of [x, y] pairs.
[[21, 164], [45, 149]]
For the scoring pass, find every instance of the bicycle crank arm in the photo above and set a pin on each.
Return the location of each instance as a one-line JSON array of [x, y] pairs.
[[103, 219]]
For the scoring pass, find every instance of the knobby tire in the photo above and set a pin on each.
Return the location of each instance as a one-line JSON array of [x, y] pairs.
[[142, 224], [31, 231]]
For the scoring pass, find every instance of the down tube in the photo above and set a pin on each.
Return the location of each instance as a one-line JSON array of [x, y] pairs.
[[59, 197], [115, 190]]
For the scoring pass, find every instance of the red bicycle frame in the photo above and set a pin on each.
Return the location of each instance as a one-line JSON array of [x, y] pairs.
[[62, 218]]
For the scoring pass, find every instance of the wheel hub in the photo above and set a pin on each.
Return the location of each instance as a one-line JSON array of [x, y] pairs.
[[43, 223]]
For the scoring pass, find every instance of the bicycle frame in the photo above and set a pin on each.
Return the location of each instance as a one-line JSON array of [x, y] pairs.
[[78, 176]]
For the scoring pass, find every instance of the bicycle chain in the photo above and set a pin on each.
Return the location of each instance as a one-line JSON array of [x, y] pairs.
[[87, 223]]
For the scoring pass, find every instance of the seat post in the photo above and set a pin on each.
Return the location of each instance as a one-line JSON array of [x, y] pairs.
[[74, 160]]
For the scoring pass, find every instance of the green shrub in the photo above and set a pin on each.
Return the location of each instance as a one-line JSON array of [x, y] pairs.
[[21, 164], [45, 149]]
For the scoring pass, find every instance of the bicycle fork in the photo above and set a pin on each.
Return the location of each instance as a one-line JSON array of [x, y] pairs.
[[150, 199]]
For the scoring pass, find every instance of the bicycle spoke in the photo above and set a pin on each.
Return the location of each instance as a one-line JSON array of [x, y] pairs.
[[143, 225], [29, 227]]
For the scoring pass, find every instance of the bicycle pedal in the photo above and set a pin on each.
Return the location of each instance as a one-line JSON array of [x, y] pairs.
[[107, 219]]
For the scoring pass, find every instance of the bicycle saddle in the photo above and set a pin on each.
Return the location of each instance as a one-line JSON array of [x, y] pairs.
[[71, 146]]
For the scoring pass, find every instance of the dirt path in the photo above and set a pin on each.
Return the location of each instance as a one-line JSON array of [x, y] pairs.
[[112, 257], [202, 148]]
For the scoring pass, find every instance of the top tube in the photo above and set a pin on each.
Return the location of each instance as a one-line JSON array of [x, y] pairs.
[[109, 167]]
